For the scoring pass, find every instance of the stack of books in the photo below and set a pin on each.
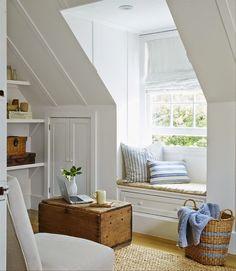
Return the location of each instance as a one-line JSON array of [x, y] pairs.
[[19, 115]]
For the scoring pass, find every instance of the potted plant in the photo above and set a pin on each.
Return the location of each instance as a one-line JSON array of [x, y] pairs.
[[70, 175]]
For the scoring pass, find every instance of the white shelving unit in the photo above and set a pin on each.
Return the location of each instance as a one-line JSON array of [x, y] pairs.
[[30, 176], [25, 121], [17, 82], [28, 166]]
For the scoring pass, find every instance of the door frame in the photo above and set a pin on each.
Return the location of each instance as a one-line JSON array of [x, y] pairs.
[[3, 132], [77, 113]]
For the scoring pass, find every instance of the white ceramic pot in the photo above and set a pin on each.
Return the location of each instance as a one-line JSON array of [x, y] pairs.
[[72, 187]]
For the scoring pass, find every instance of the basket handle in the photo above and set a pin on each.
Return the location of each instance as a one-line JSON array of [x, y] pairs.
[[193, 201], [226, 210]]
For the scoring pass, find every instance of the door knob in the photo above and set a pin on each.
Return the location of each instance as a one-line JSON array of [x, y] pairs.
[[2, 93], [3, 191]]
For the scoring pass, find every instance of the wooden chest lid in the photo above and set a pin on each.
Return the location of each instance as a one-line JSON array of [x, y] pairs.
[[60, 202]]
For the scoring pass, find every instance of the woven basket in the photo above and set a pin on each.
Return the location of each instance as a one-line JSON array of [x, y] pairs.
[[214, 241], [16, 145]]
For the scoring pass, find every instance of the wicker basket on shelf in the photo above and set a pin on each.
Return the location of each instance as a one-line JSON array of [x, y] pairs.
[[214, 241]]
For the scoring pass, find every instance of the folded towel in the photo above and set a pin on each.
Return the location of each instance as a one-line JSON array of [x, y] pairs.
[[192, 223]]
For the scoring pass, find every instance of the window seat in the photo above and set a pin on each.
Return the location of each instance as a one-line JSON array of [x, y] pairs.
[[155, 207], [182, 188]]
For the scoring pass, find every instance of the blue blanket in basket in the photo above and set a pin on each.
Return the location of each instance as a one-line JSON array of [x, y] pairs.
[[192, 223]]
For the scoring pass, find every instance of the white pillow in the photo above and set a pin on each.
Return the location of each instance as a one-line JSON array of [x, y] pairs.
[[156, 150]]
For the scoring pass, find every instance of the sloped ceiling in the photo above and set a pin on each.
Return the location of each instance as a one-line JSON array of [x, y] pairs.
[[44, 51], [207, 43]]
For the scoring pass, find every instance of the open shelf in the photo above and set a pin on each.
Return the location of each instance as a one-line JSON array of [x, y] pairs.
[[19, 83], [25, 121], [25, 166]]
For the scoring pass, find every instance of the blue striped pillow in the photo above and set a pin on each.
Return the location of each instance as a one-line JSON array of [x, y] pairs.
[[135, 160], [164, 172]]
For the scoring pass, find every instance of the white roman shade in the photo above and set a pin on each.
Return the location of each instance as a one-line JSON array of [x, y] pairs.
[[167, 65]]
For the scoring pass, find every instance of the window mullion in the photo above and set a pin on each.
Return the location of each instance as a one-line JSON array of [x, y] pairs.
[[171, 111], [194, 110]]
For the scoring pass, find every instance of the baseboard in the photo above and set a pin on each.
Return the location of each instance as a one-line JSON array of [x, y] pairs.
[[232, 245], [35, 200], [152, 225]]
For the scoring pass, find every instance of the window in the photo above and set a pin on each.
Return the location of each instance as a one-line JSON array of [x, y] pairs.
[[176, 106], [178, 117]]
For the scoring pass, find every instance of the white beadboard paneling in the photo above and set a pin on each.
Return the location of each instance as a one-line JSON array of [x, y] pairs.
[[83, 31], [72, 79], [227, 10]]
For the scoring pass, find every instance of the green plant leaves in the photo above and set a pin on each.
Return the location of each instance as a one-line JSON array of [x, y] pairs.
[[72, 172]]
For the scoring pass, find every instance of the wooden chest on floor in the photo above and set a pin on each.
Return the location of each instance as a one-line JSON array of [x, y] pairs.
[[109, 226]]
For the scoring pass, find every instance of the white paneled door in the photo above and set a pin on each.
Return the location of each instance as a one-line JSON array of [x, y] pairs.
[[3, 65], [70, 144]]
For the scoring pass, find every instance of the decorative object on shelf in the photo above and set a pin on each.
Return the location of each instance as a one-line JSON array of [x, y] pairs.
[[24, 107], [11, 107], [16, 103], [17, 110], [9, 72], [70, 176], [23, 159], [16, 152], [16, 145], [14, 74], [19, 115]]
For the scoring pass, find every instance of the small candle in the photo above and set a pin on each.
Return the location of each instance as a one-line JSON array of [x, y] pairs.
[[101, 196]]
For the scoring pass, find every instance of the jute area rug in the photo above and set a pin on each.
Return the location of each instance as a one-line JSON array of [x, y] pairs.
[[137, 258]]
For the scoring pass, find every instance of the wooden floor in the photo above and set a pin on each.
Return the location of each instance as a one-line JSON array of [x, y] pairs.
[[144, 240]]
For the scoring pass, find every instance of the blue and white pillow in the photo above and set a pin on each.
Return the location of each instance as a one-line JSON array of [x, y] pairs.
[[164, 172], [135, 160]]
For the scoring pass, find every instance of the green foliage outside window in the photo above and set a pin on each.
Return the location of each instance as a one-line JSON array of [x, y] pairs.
[[201, 116], [179, 110], [183, 116], [161, 116], [189, 141]]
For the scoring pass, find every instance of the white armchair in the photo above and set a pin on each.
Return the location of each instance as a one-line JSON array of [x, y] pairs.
[[44, 251]]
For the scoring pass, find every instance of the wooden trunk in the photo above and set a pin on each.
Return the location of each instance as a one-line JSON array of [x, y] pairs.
[[23, 159], [16, 145], [109, 226]]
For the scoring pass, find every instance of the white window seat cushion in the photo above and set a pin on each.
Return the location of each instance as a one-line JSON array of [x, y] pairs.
[[61, 252], [183, 188]]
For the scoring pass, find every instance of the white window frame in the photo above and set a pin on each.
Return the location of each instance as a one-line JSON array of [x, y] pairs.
[[171, 130]]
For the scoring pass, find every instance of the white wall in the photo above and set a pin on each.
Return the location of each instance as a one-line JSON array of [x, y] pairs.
[[221, 154], [195, 158], [115, 55], [221, 186]]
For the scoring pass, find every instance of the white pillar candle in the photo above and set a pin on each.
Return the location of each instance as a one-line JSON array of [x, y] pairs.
[[101, 196]]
